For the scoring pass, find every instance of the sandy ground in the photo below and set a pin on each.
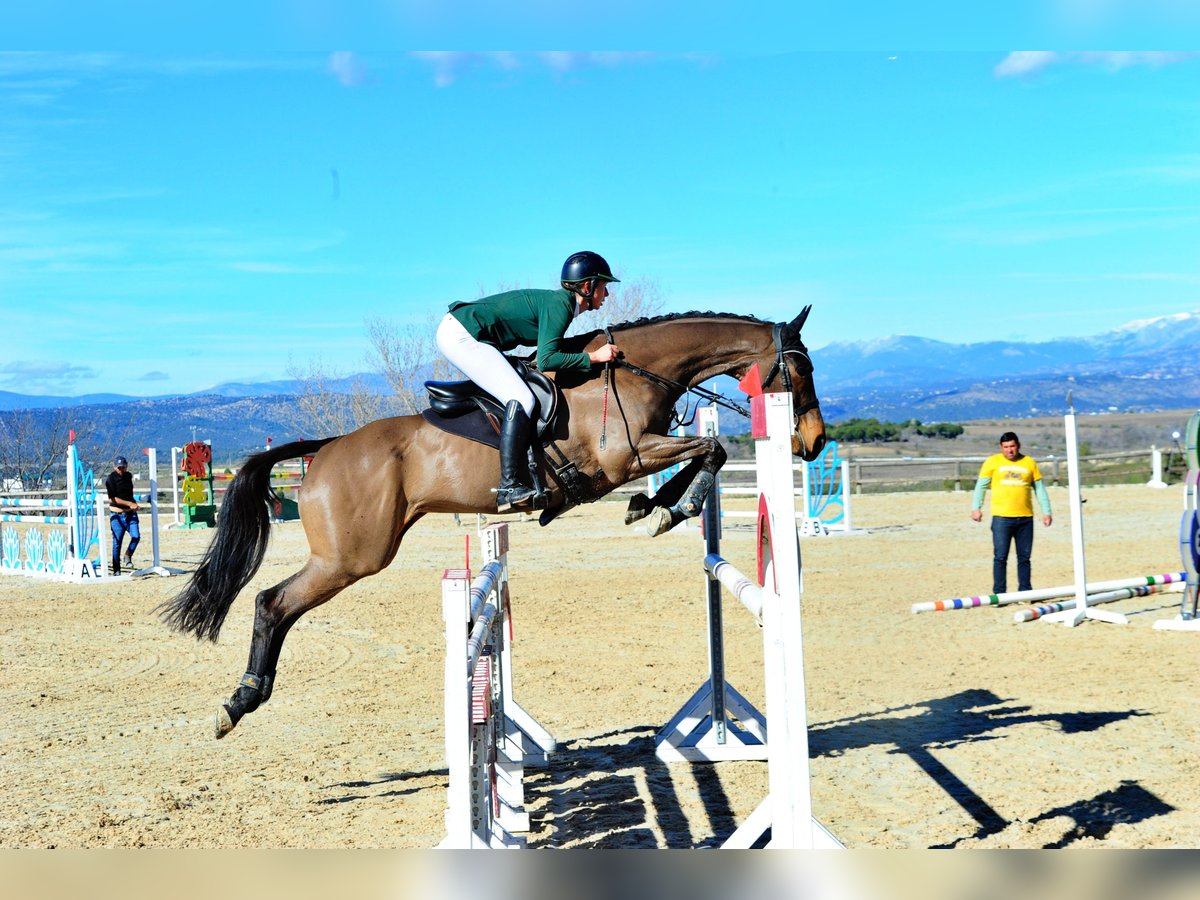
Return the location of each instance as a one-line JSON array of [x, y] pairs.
[[946, 729]]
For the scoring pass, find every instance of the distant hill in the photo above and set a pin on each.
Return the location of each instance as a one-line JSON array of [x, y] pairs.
[[1146, 365], [1151, 364]]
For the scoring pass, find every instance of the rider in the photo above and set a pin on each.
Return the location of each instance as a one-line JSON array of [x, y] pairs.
[[473, 334]]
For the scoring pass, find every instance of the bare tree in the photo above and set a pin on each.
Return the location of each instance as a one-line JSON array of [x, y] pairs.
[[33, 446], [328, 405], [626, 301], [407, 356], [98, 447]]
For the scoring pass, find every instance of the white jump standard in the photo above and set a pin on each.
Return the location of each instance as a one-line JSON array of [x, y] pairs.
[[58, 537], [490, 738], [703, 731]]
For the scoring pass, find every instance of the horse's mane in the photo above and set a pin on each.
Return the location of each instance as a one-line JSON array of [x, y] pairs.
[[693, 314], [577, 342]]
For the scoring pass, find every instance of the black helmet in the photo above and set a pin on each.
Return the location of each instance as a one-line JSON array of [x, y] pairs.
[[586, 266]]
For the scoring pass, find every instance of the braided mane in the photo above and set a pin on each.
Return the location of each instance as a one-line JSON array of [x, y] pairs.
[[693, 314], [577, 342]]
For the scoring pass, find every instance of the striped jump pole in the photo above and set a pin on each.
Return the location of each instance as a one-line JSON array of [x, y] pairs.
[[1050, 593], [489, 738], [1037, 612]]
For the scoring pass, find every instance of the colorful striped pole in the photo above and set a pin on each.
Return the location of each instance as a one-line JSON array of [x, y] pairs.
[[1028, 615], [1049, 593]]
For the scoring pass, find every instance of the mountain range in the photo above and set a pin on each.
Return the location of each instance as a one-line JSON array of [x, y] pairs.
[[1145, 365]]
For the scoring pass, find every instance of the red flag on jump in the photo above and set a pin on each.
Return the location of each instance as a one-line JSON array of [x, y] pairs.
[[751, 383]]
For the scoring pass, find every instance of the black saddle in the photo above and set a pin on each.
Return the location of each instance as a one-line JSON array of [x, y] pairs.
[[451, 399]]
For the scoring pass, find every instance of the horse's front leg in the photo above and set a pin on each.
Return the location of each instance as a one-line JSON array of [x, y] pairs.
[[685, 493], [641, 505]]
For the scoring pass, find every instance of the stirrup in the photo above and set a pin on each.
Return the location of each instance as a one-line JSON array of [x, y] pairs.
[[520, 498]]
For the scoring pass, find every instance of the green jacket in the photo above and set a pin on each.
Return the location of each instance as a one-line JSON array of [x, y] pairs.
[[529, 318]]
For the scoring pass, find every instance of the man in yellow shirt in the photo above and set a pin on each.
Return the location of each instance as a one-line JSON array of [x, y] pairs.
[[1013, 477]]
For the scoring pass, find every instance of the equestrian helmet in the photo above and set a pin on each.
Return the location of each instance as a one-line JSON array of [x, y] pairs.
[[586, 266]]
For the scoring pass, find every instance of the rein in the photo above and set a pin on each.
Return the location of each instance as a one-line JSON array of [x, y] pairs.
[[712, 396]]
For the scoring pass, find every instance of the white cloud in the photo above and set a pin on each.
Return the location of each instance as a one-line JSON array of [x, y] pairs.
[[1030, 62], [27, 374], [1025, 62], [270, 268], [448, 65], [349, 70], [1114, 60]]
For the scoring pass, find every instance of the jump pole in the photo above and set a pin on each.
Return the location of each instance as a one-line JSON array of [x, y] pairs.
[[1037, 612], [1050, 593], [489, 738], [1072, 617]]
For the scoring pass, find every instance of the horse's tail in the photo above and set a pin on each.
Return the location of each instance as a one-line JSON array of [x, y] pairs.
[[236, 550]]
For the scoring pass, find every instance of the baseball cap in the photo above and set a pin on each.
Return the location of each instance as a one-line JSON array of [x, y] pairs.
[[120, 461]]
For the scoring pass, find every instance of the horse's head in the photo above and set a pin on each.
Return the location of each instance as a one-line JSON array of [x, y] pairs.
[[793, 370]]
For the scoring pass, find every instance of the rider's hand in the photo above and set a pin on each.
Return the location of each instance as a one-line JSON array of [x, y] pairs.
[[606, 353]]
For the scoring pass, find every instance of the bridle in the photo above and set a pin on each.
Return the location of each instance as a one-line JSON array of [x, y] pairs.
[[779, 367]]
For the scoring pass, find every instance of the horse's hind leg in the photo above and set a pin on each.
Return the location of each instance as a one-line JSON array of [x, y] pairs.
[[275, 611]]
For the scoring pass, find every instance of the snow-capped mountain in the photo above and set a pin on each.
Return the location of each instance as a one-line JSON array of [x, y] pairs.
[[902, 361]]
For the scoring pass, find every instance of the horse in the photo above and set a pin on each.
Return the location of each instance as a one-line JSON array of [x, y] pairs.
[[364, 490]]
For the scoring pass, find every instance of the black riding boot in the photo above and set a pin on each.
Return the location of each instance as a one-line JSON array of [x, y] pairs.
[[514, 466]]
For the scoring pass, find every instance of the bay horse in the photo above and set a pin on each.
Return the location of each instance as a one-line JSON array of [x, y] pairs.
[[364, 490]]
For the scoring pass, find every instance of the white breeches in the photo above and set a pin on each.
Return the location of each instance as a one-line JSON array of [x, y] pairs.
[[482, 363]]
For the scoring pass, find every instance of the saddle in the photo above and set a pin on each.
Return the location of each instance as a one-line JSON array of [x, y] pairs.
[[453, 399], [465, 409]]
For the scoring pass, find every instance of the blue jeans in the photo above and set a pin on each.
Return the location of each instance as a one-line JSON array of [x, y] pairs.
[[1017, 530], [120, 523]]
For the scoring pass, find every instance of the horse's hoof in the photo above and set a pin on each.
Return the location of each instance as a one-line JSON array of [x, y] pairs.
[[659, 522], [224, 722], [639, 506]]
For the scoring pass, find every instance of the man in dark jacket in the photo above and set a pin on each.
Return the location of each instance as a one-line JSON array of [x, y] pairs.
[[123, 515]]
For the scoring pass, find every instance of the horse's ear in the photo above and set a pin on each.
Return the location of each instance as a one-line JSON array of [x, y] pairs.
[[797, 323]]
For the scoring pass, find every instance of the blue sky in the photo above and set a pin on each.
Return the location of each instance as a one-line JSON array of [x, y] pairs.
[[175, 219]]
